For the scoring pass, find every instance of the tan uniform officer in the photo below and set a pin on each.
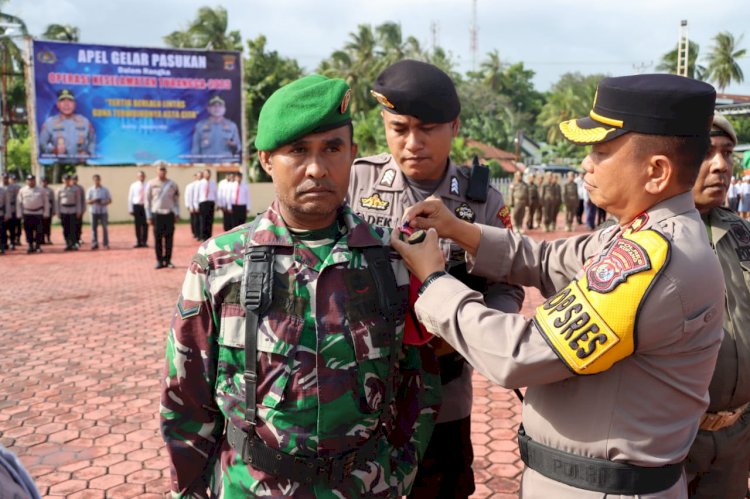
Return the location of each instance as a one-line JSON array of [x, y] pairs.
[[618, 360], [570, 199], [518, 193], [420, 113], [720, 456], [32, 206], [534, 203]]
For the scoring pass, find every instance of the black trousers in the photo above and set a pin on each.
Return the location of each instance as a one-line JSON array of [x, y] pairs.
[[445, 471], [3, 235], [239, 214], [195, 224], [32, 225], [141, 224], [227, 219], [78, 228], [163, 236], [47, 228], [13, 226], [69, 221], [206, 214]]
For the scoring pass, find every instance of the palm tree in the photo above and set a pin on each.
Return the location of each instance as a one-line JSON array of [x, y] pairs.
[[570, 98], [668, 62], [491, 71], [723, 67], [207, 31], [62, 33]]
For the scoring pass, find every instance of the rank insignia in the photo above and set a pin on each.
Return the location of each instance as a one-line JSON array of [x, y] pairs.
[[374, 202], [622, 259], [464, 212], [388, 177], [454, 186], [345, 101], [186, 312], [382, 99], [637, 224], [504, 215], [741, 233]]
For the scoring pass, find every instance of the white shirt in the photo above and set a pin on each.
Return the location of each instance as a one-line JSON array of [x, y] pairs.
[[191, 195], [222, 195], [136, 194], [732, 191], [206, 190], [239, 195]]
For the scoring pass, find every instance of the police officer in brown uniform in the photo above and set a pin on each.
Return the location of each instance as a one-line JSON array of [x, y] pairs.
[[619, 358], [534, 203], [718, 461], [518, 192], [570, 198], [420, 110]]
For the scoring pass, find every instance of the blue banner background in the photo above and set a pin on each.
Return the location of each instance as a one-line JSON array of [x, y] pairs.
[[132, 140]]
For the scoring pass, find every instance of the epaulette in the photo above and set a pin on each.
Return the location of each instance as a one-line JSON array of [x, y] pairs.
[[464, 170], [379, 159]]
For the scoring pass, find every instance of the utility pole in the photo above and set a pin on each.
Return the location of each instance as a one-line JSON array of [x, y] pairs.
[[473, 29], [435, 35], [683, 50]]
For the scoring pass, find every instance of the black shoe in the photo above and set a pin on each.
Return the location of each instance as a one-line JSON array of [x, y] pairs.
[[38, 249], [13, 246], [159, 265], [67, 248], [169, 265], [137, 245], [94, 247], [29, 250]]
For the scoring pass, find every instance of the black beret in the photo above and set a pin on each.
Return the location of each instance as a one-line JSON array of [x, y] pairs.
[[653, 104], [417, 89]]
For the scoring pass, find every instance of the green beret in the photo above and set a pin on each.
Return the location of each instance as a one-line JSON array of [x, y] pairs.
[[309, 105]]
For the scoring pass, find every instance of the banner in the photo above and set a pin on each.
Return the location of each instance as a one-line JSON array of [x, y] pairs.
[[105, 105]]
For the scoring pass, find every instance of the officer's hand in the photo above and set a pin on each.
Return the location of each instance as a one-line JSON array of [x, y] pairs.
[[432, 213], [423, 258], [151, 221]]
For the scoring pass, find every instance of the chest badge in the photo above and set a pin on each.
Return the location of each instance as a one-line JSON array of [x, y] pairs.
[[454, 186], [464, 212], [388, 177], [741, 233], [622, 259], [374, 202]]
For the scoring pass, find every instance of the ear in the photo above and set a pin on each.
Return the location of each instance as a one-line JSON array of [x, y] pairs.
[[265, 161], [661, 174], [455, 126], [355, 148]]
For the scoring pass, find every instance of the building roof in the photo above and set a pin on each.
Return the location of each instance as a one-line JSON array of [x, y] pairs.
[[507, 160]]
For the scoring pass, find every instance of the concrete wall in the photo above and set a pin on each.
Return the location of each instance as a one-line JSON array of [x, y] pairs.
[[118, 180]]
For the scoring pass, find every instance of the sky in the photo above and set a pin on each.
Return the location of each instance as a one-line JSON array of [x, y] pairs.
[[551, 37]]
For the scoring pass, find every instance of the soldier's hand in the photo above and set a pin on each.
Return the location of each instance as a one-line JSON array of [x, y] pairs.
[[423, 258]]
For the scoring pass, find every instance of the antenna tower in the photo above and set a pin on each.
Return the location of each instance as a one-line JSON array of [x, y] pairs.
[[473, 29], [683, 50]]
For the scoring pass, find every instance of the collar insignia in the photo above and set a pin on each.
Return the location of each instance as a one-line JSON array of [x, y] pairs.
[[454, 186], [388, 177], [374, 202]]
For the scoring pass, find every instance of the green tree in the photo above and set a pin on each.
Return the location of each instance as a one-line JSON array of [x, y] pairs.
[[723, 68], [486, 115], [62, 33], [264, 72], [668, 62], [19, 154], [571, 97], [208, 31]]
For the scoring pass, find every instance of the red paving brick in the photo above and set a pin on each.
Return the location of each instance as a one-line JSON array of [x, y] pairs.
[[82, 350]]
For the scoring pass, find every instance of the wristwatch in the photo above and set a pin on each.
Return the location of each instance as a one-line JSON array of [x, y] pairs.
[[430, 279]]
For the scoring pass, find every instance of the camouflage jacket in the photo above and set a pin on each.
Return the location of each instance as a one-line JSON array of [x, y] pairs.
[[323, 353]]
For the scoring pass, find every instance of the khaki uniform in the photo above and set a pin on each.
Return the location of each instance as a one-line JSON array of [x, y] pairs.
[[32, 201], [551, 199], [519, 198], [70, 208], [534, 206], [570, 198], [719, 459], [644, 409], [379, 193], [162, 205]]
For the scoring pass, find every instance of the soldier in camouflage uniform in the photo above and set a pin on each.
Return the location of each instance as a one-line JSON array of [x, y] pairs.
[[344, 407], [570, 198], [518, 193], [551, 199], [540, 181], [534, 205]]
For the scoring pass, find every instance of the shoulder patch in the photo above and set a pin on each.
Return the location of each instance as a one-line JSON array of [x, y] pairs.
[[740, 232], [591, 330], [374, 202], [504, 215]]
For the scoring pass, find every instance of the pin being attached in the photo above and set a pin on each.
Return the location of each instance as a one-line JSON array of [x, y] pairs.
[[410, 234]]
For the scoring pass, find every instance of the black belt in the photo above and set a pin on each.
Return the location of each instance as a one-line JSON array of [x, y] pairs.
[[599, 475], [307, 470]]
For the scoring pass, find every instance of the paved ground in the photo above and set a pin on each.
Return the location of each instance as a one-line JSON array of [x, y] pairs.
[[81, 349]]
